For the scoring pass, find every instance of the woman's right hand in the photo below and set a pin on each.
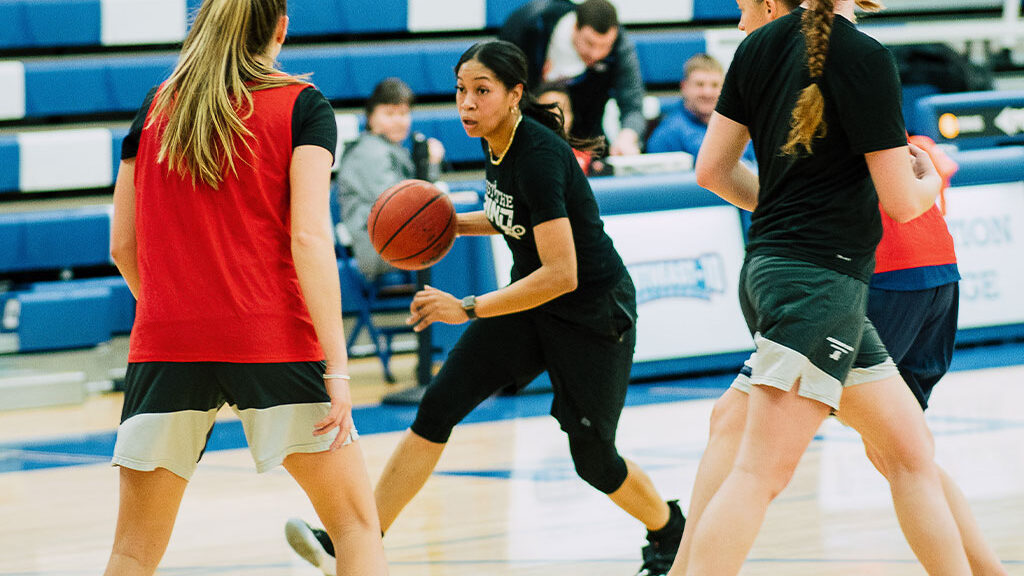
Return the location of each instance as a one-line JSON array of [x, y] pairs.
[[340, 415]]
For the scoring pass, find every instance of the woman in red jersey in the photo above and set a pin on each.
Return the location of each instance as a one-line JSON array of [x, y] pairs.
[[222, 231]]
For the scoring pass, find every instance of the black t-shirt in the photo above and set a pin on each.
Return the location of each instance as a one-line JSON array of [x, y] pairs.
[[821, 208], [539, 180], [312, 123]]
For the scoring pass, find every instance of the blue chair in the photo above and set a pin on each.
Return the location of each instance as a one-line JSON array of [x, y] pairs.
[[389, 293]]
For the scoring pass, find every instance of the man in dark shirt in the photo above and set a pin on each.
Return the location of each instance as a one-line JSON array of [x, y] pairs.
[[584, 46]]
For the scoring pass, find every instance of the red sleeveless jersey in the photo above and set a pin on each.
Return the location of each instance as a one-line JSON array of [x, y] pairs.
[[918, 254], [217, 278]]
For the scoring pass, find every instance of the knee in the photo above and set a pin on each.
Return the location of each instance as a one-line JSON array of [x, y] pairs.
[[729, 416], [768, 479], [435, 418], [598, 463], [904, 453]]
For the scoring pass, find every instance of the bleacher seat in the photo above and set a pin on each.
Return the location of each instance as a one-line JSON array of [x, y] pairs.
[[55, 239], [34, 24], [118, 84], [122, 302], [57, 319]]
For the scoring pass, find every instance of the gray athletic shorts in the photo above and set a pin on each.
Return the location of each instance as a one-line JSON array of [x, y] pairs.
[[809, 324], [170, 407]]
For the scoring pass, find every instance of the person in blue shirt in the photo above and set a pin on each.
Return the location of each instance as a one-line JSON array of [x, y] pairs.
[[685, 122]]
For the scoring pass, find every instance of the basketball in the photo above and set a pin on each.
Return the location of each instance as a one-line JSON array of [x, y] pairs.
[[412, 225]]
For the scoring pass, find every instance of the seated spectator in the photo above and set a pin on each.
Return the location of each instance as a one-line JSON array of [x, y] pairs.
[[377, 160], [583, 46], [558, 94], [683, 125]]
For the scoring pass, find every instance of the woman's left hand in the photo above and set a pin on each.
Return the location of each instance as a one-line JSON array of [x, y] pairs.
[[432, 305]]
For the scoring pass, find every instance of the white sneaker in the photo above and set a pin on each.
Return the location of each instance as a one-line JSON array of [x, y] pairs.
[[306, 543]]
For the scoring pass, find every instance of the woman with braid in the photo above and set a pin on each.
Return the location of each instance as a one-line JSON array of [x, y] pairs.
[[804, 283]]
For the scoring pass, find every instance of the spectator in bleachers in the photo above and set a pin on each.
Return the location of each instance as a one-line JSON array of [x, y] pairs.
[[221, 230], [584, 46], [377, 160], [557, 93], [684, 123]]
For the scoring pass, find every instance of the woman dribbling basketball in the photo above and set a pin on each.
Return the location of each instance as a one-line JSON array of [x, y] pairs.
[[570, 309]]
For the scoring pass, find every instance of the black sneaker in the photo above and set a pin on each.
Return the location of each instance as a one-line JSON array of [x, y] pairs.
[[312, 544], [660, 552]]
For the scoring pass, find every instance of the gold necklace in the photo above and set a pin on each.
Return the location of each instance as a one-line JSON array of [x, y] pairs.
[[496, 160]]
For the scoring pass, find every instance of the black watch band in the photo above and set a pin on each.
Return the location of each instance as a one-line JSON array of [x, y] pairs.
[[469, 306]]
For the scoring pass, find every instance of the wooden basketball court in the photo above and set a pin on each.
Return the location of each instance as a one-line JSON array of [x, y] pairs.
[[505, 500]]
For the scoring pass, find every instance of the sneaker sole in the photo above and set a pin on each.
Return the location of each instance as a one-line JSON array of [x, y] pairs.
[[305, 544]]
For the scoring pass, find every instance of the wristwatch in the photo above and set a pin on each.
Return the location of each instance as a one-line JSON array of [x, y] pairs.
[[469, 306]]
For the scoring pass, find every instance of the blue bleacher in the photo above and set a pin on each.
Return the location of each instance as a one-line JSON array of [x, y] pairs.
[[121, 311], [59, 319], [341, 72], [55, 239], [27, 24], [49, 23], [9, 166]]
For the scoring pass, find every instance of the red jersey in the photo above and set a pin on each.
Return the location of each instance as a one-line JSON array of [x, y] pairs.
[[217, 278], [918, 254]]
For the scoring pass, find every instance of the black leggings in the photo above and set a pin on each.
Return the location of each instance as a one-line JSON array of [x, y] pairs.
[[589, 374]]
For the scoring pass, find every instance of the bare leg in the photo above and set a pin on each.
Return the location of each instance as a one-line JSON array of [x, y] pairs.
[[145, 519], [889, 419], [779, 427], [980, 554], [640, 499], [339, 488], [407, 470], [727, 422]]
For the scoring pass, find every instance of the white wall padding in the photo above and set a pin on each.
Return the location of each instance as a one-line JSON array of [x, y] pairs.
[[427, 15], [65, 159], [142, 21], [12, 95], [654, 11]]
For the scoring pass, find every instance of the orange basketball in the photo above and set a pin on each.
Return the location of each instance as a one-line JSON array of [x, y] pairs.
[[412, 225]]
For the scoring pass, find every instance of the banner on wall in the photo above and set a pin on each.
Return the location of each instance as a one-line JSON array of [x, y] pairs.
[[685, 265], [987, 224]]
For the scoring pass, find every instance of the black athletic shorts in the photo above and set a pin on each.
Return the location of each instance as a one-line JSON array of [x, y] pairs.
[[170, 407]]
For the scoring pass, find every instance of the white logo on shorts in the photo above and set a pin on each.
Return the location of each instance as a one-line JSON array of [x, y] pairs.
[[838, 348]]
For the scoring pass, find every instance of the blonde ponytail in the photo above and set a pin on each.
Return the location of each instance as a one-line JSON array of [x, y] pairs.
[[209, 94], [808, 120]]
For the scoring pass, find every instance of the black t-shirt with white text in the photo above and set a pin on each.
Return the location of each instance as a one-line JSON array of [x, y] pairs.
[[820, 208], [540, 180]]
